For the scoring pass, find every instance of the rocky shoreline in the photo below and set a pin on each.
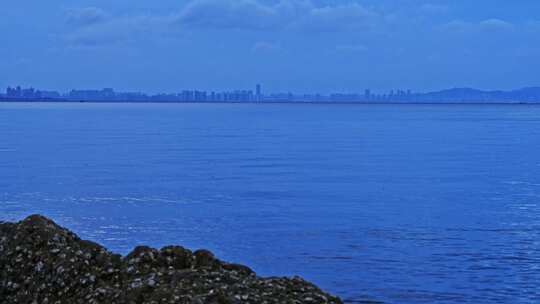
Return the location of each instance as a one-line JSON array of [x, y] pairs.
[[43, 263]]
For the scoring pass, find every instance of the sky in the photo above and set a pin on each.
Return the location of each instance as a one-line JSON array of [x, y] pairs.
[[303, 46]]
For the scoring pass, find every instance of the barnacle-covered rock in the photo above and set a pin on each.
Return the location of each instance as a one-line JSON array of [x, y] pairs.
[[41, 262]]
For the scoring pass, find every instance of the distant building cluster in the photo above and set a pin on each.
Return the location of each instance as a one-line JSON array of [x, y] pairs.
[[184, 96], [256, 95], [30, 94], [109, 94]]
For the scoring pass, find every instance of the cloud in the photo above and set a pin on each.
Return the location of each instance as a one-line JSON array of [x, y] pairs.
[[91, 26], [118, 30], [339, 18], [85, 16], [496, 25], [493, 25], [284, 15], [228, 14]]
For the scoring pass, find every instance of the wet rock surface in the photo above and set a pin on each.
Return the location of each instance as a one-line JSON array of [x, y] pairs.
[[41, 263]]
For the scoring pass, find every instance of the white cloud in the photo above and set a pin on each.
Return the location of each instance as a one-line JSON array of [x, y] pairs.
[[85, 16], [339, 18], [286, 14], [496, 24], [92, 26], [460, 26], [118, 30], [228, 14]]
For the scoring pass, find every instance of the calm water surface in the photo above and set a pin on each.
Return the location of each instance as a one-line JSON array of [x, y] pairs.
[[400, 204]]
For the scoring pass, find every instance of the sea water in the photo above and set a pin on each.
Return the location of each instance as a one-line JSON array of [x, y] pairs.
[[394, 203]]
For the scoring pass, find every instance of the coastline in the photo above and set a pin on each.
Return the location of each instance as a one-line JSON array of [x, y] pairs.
[[7, 101], [42, 262]]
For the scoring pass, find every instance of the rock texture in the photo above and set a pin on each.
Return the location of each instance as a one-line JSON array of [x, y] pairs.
[[43, 263]]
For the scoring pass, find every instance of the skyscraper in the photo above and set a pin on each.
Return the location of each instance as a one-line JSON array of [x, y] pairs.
[[367, 94], [258, 95]]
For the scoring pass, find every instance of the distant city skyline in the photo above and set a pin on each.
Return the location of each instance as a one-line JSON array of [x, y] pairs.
[[303, 45], [461, 95]]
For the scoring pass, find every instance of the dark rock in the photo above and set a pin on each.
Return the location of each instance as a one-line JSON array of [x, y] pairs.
[[238, 268], [41, 262], [177, 257], [205, 258]]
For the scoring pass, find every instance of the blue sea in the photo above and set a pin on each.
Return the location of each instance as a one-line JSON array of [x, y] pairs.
[[389, 203]]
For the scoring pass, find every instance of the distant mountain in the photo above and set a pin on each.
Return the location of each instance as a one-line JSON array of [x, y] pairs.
[[531, 94]]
